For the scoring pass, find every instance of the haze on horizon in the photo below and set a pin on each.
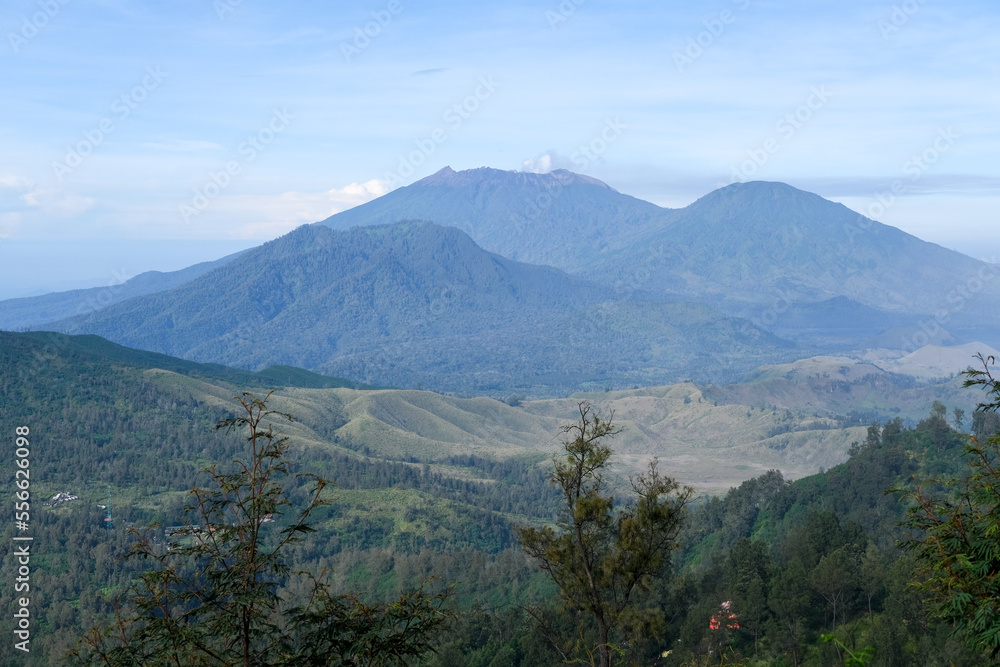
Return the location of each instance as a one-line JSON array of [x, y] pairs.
[[141, 137]]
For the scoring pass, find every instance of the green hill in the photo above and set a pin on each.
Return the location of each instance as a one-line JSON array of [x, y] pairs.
[[419, 305], [426, 484]]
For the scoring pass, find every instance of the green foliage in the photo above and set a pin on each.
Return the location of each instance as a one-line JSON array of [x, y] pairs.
[[396, 524], [108, 420], [984, 378], [821, 552], [956, 536], [860, 658], [601, 555], [213, 595], [90, 349], [344, 630]]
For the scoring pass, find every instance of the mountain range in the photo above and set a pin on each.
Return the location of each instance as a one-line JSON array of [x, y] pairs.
[[485, 281], [760, 250], [651, 315], [417, 304]]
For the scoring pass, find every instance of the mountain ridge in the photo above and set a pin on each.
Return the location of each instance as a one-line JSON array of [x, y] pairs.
[[31, 312], [738, 278], [520, 215], [748, 238], [748, 248], [480, 175], [741, 247], [418, 304]]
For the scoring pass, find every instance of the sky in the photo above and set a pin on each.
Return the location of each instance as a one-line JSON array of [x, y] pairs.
[[149, 136]]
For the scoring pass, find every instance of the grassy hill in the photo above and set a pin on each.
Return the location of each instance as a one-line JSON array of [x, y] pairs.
[[796, 417], [864, 390], [426, 484]]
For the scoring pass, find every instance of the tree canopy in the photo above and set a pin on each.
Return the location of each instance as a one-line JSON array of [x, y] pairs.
[[212, 597], [601, 555], [955, 525]]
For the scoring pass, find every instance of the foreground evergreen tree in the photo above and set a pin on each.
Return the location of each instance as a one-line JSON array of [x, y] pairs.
[[213, 596], [601, 556], [957, 537]]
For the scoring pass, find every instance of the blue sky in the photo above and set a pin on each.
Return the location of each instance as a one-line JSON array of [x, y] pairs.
[[139, 136]]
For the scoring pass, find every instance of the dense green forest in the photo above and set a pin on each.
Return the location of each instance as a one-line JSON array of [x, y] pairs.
[[105, 430], [762, 573], [770, 567]]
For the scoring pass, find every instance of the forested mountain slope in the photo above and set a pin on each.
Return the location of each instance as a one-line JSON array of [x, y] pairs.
[[34, 312], [417, 304]]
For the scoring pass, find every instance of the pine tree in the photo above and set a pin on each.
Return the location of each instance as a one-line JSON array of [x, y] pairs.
[[601, 556]]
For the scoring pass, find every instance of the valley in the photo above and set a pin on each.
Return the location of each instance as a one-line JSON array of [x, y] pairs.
[[430, 369]]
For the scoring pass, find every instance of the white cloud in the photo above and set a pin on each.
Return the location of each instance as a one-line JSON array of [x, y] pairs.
[[14, 182], [547, 162], [30, 195], [311, 207], [26, 189], [66, 206], [369, 190], [268, 216]]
